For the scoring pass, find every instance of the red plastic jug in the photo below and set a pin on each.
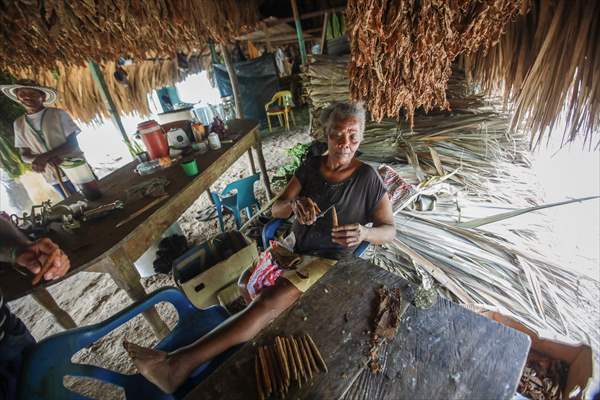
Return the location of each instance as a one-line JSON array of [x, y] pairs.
[[154, 139]]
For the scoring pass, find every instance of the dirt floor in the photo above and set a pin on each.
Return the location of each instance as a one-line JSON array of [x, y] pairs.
[[90, 297]]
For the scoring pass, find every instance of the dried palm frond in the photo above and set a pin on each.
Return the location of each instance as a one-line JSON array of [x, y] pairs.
[[402, 50], [38, 37], [547, 64], [78, 93], [477, 267]]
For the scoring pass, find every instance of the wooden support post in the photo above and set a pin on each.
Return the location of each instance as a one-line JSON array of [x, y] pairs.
[[213, 52], [45, 299], [127, 278], [299, 31], [263, 166], [324, 32], [237, 99], [98, 78]]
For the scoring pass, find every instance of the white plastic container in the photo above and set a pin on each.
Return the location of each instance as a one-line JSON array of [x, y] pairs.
[[213, 141]]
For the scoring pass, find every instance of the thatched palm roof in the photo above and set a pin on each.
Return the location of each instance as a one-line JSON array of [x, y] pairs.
[[547, 64], [79, 94], [43, 35]]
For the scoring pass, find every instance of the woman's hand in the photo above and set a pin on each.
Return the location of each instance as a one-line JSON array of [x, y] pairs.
[[34, 256], [305, 210], [349, 235]]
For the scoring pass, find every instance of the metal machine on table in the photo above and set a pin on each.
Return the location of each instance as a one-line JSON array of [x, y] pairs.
[[45, 217]]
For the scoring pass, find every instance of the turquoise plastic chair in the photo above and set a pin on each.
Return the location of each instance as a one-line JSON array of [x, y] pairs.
[[50, 360], [242, 199]]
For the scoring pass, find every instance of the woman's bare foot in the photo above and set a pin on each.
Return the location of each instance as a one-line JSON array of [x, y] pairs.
[[156, 366]]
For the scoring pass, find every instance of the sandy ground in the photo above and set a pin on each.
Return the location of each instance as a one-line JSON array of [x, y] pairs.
[[90, 297]]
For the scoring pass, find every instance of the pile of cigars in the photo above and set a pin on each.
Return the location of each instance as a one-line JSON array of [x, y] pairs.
[[289, 360]]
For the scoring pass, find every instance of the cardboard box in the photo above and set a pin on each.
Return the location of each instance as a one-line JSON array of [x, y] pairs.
[[578, 356], [203, 288]]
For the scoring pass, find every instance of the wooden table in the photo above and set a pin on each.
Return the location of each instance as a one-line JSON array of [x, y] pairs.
[[100, 247], [445, 352]]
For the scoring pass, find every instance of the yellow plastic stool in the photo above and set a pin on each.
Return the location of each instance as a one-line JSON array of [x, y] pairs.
[[281, 105]]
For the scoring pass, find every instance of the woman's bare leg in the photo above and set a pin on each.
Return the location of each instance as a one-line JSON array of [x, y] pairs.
[[169, 370]]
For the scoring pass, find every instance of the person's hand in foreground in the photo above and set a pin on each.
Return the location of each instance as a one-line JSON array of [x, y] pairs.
[[35, 255], [348, 235], [305, 210]]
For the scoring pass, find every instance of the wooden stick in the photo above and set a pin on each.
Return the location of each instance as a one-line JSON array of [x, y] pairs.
[[309, 353], [49, 261], [316, 352], [62, 185], [259, 385], [142, 210], [265, 371], [305, 359], [298, 358], [291, 358], [334, 217]]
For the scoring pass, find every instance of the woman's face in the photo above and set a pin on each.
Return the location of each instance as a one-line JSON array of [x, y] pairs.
[[344, 138]]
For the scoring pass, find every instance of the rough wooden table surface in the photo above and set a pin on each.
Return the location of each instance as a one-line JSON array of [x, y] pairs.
[[99, 246], [445, 352]]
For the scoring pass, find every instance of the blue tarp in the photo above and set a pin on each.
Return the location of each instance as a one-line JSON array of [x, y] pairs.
[[258, 83]]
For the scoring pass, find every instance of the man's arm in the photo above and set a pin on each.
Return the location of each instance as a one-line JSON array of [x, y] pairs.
[[62, 151], [39, 161], [16, 249], [12, 241]]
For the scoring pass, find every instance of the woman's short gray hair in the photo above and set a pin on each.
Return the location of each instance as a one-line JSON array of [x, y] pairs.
[[342, 110]]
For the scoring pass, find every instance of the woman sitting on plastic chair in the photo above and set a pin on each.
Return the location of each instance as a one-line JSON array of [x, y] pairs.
[[337, 178]]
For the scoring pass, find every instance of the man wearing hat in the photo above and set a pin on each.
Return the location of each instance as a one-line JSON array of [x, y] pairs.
[[45, 136]]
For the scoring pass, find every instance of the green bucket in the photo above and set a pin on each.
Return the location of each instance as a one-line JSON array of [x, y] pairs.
[[190, 167]]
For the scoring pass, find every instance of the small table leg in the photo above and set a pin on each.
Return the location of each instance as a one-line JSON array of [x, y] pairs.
[[251, 161], [127, 278], [263, 167], [45, 299]]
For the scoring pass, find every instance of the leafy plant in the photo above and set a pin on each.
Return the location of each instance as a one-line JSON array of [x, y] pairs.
[[297, 154], [10, 159]]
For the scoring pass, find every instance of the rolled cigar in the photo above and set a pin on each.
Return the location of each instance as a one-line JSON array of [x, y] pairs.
[[309, 353], [259, 385], [276, 370], [334, 217], [298, 359], [305, 359], [291, 358], [38, 277], [316, 352], [282, 360], [271, 369], [265, 371]]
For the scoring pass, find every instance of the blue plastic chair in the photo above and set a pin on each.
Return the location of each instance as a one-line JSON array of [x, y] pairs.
[[235, 202], [271, 227], [50, 360]]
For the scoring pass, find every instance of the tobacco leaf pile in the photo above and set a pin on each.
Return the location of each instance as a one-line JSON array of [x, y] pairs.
[[39, 35], [402, 50]]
